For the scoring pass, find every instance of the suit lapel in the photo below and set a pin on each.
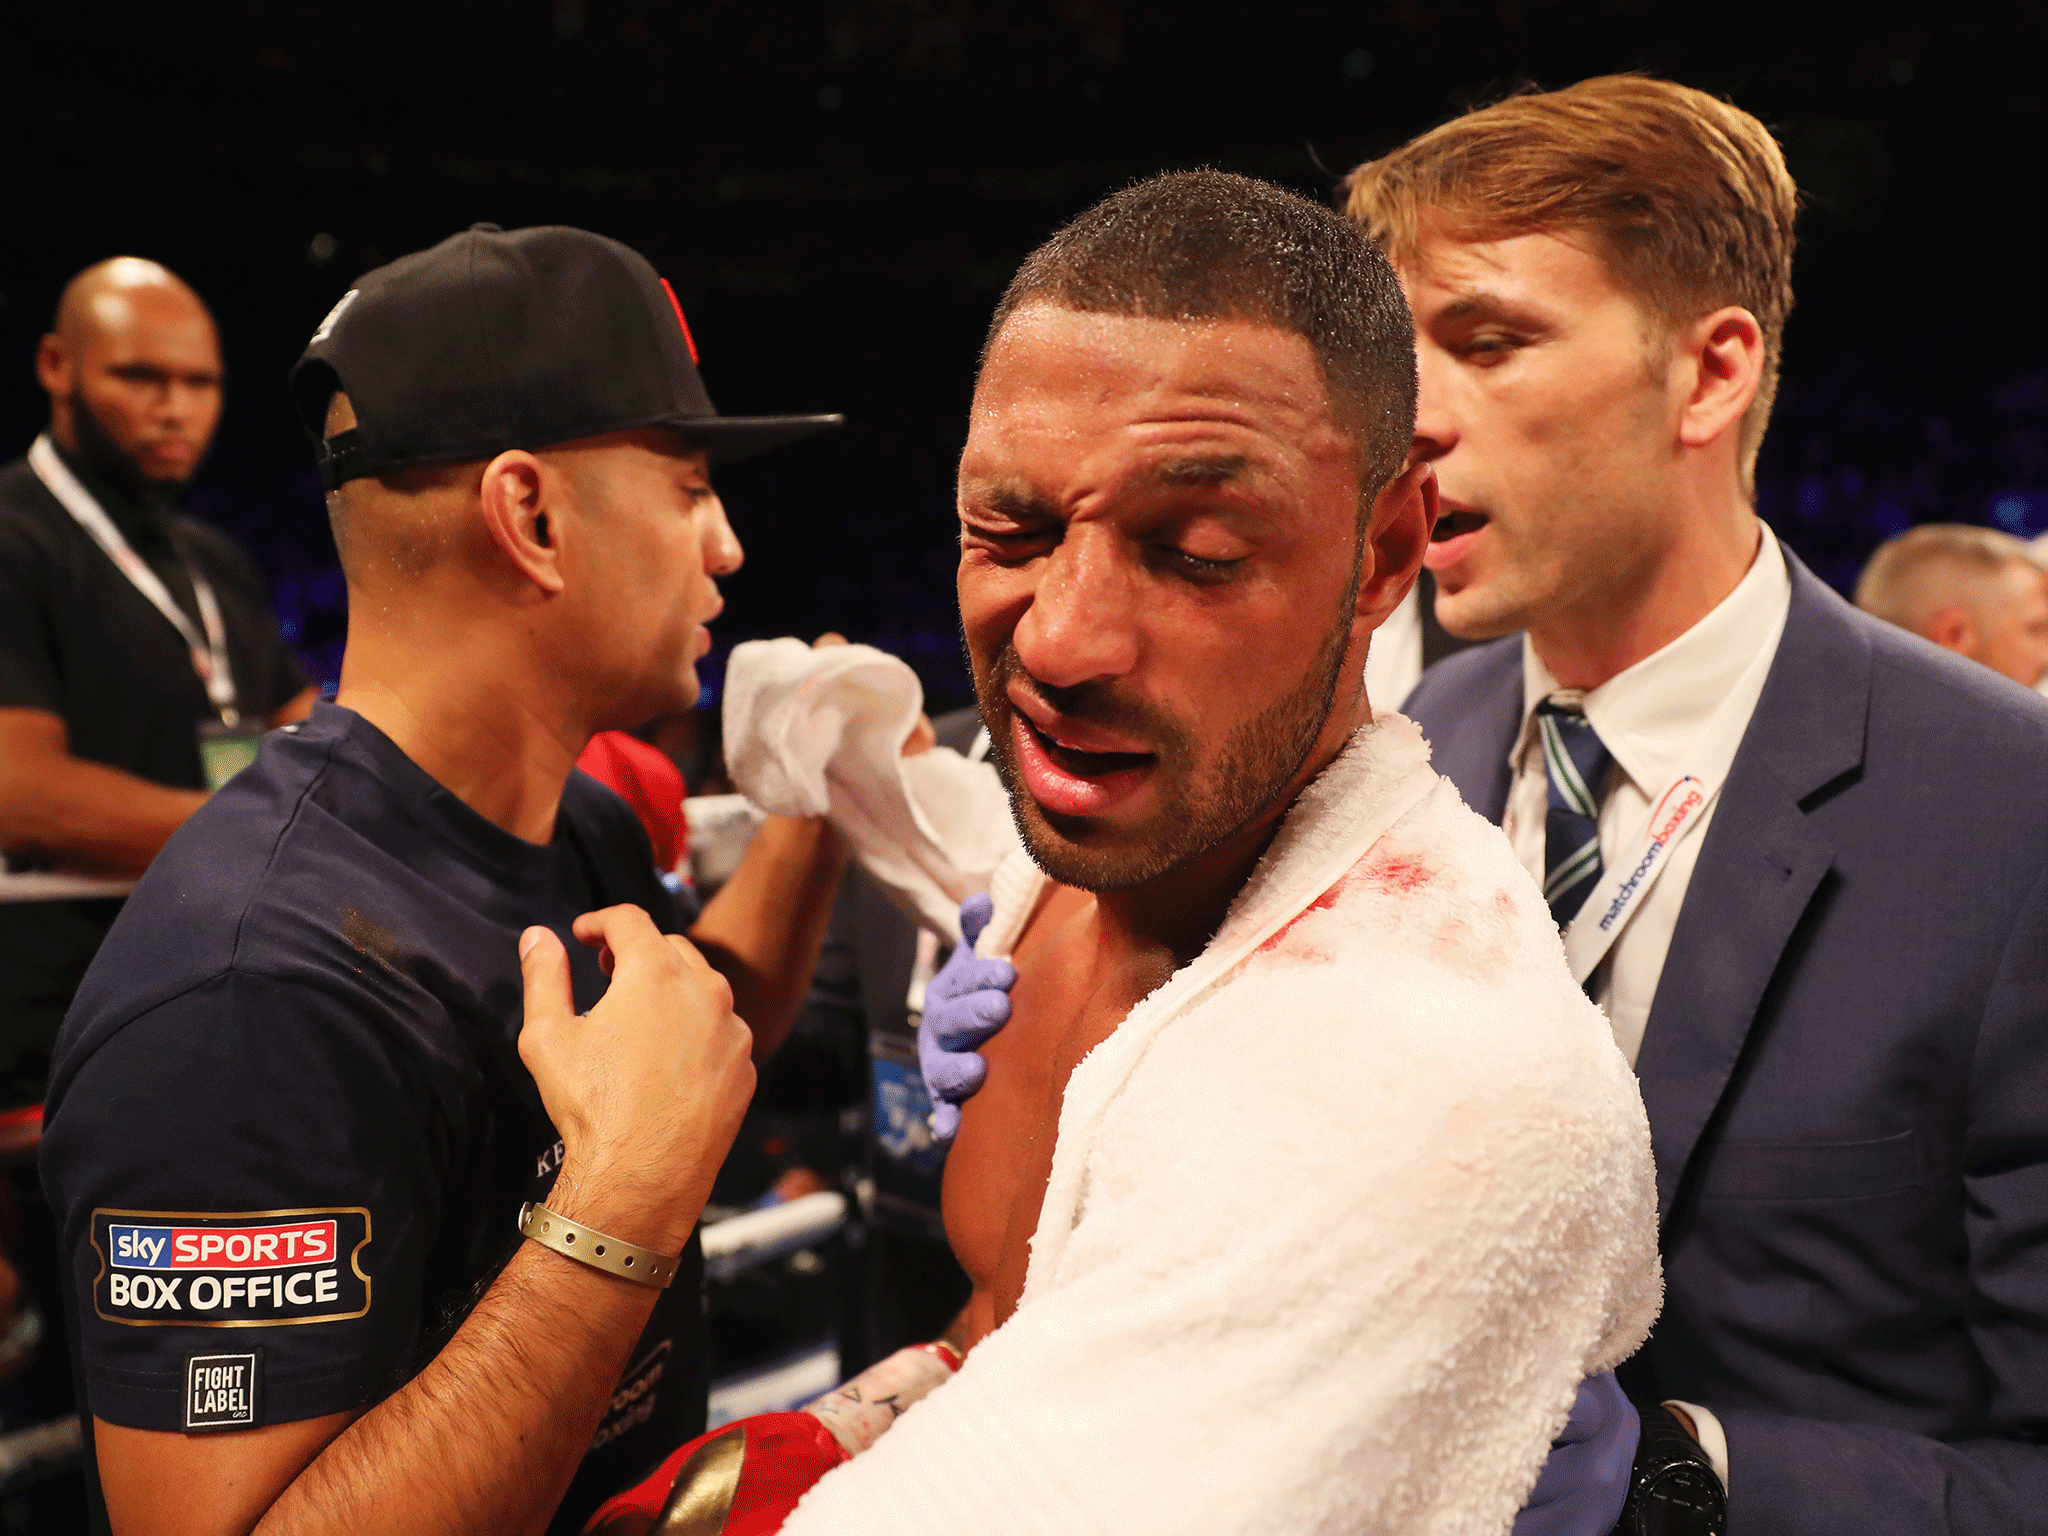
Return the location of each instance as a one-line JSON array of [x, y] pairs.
[[1758, 870], [1472, 712]]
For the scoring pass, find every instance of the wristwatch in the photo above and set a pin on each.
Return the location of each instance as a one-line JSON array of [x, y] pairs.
[[1672, 1489]]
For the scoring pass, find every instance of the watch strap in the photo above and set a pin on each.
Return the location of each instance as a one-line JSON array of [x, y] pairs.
[[600, 1250]]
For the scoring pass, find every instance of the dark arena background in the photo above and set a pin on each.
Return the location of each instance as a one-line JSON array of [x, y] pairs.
[[839, 192]]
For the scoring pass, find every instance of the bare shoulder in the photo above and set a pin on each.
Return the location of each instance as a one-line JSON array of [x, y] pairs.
[[997, 1161]]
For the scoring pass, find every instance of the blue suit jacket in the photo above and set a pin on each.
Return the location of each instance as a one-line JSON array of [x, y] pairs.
[[1846, 1071]]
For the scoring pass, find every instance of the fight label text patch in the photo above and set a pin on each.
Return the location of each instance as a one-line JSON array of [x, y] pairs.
[[223, 1391], [231, 1269]]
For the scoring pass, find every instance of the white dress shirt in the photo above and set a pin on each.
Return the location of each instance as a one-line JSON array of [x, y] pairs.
[[1393, 660], [1651, 718]]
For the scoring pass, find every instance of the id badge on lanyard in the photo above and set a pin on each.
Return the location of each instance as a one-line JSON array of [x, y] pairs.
[[226, 745], [1677, 812], [1675, 815], [225, 750]]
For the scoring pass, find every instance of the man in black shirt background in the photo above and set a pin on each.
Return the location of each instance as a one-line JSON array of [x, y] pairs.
[[104, 587], [293, 1119], [100, 693]]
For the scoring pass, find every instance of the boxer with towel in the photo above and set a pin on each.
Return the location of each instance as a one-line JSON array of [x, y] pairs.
[[1216, 1291]]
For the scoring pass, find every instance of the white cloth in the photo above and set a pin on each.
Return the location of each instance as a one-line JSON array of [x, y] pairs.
[[721, 829], [1393, 661], [1650, 717], [1338, 1218], [821, 732]]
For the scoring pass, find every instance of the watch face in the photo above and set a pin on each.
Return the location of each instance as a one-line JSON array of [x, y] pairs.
[[1684, 1499]]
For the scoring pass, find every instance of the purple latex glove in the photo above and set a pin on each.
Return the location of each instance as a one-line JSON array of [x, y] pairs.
[[967, 1001], [1582, 1487]]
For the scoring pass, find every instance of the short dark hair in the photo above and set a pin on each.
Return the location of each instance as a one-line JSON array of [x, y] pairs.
[[1208, 245]]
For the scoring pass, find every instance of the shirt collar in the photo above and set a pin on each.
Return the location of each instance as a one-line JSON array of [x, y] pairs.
[[1649, 715]]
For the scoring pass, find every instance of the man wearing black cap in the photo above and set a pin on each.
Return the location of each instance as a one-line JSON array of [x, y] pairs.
[[295, 1131]]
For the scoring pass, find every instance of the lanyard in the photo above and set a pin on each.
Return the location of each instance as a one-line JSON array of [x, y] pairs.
[[209, 651], [1675, 814]]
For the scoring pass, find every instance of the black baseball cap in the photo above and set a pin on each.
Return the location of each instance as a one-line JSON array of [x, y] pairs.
[[498, 339]]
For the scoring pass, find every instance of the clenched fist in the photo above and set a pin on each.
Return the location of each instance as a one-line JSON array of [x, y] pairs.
[[647, 1089]]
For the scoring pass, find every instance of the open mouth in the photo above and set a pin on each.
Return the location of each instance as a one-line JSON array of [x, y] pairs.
[[1067, 779], [1080, 762], [1450, 525]]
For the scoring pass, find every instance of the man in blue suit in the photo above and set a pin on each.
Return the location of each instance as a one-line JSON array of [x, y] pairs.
[[1798, 855]]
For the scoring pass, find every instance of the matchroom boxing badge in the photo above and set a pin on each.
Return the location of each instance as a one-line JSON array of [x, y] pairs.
[[231, 1269]]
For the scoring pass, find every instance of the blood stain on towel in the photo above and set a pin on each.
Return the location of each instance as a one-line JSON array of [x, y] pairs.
[[1400, 872]]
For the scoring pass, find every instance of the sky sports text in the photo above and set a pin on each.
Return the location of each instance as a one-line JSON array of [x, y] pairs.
[[269, 1247]]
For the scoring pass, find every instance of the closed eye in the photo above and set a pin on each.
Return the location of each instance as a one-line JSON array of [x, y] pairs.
[[1489, 347], [1198, 568], [1010, 544]]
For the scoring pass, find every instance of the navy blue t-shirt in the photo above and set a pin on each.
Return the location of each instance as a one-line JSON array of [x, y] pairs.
[[288, 1131]]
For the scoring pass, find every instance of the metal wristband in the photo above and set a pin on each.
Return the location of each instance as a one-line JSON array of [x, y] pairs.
[[586, 1245]]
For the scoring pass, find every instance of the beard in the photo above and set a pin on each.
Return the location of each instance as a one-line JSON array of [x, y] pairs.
[[1202, 804], [106, 458]]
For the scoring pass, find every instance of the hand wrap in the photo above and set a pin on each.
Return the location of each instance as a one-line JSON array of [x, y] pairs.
[[745, 1478]]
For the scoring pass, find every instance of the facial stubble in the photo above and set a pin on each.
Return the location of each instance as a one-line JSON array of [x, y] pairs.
[[108, 459], [1259, 761]]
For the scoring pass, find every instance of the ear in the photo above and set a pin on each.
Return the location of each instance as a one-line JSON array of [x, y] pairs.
[[1397, 532], [1951, 629], [518, 492], [53, 368], [1720, 361]]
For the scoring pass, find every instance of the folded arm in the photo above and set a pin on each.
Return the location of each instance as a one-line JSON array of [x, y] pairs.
[[88, 816], [484, 1440]]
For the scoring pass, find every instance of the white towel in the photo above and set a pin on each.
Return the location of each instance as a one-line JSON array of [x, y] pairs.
[[1338, 1218], [821, 732]]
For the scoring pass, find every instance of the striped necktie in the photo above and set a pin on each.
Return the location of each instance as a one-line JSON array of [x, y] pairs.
[[1577, 764]]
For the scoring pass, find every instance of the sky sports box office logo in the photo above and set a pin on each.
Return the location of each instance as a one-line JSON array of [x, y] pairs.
[[231, 1269]]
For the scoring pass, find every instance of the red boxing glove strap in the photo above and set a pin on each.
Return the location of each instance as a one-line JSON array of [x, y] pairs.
[[742, 1480]]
